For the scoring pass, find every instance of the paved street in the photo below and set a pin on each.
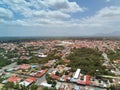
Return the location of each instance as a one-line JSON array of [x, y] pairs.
[[43, 77], [9, 66], [39, 79], [82, 87], [117, 71]]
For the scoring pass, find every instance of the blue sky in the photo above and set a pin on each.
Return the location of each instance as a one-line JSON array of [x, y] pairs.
[[58, 17]]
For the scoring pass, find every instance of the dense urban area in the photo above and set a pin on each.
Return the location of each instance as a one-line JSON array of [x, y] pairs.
[[60, 65]]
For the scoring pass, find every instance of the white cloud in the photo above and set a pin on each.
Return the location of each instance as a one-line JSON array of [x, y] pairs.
[[55, 9], [109, 11], [107, 15], [5, 13], [21, 6], [18, 6], [56, 13], [51, 14], [64, 5]]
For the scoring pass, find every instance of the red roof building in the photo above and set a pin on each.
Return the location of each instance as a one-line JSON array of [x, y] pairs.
[[24, 57], [31, 79], [81, 82], [41, 73], [24, 66], [53, 76], [87, 79], [14, 79], [86, 82]]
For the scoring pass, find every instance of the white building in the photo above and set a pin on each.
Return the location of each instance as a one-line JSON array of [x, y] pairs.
[[77, 73], [76, 76]]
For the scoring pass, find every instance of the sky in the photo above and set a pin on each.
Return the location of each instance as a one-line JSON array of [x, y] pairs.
[[58, 17]]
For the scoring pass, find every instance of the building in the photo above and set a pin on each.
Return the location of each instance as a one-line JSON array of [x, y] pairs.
[[76, 76], [28, 81], [14, 79], [24, 66]]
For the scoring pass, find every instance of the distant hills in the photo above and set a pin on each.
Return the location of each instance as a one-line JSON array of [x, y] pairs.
[[112, 34]]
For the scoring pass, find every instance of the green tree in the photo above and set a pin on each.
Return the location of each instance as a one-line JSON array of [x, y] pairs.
[[45, 88], [34, 87], [88, 60]]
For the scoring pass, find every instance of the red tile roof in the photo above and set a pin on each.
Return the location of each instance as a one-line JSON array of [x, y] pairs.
[[87, 82], [81, 82], [24, 66], [41, 73], [30, 79], [87, 79], [13, 79]]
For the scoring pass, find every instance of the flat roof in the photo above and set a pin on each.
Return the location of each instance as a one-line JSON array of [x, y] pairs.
[[77, 73], [46, 84]]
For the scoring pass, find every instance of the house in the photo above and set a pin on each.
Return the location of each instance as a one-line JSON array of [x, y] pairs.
[[66, 86], [50, 63], [87, 79], [41, 73], [24, 66], [45, 84], [31, 79], [25, 83], [28, 81], [14, 79], [53, 76], [24, 58]]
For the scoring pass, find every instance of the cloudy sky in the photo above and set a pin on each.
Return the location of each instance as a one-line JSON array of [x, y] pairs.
[[58, 17]]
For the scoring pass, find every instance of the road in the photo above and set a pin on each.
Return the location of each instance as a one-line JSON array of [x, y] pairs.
[[41, 79], [117, 71], [8, 66]]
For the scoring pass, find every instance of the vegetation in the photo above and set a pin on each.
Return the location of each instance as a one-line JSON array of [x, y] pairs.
[[2, 50], [13, 86], [50, 81], [46, 88], [5, 57], [113, 55], [4, 61], [19, 61], [12, 54], [88, 60], [34, 87], [36, 59]]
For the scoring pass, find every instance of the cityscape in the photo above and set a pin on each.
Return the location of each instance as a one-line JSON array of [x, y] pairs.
[[84, 64], [59, 44]]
